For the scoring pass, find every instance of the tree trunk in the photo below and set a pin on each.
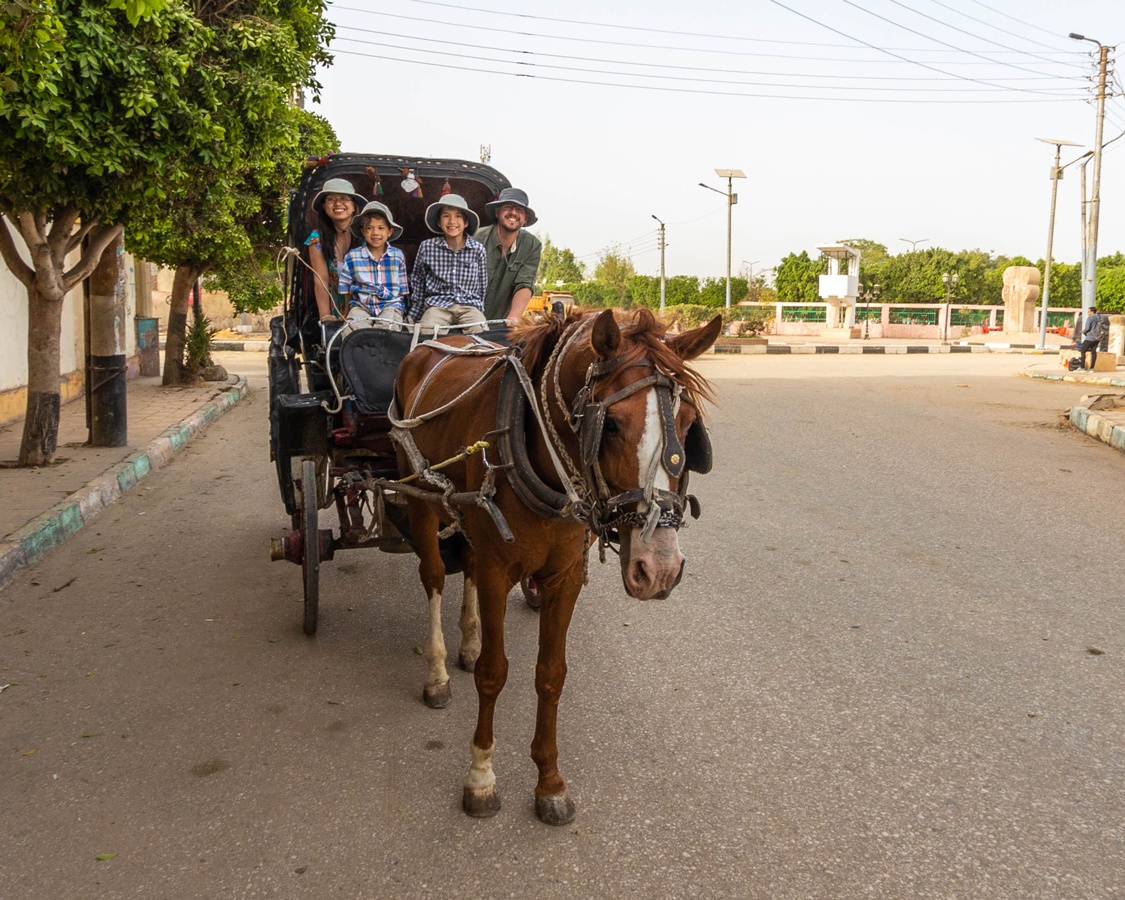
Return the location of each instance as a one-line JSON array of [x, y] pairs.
[[41, 425], [105, 387], [174, 372]]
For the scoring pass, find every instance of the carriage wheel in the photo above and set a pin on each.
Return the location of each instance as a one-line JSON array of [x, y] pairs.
[[530, 588], [310, 557]]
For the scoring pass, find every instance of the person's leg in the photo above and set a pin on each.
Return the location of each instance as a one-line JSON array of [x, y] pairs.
[[389, 320], [468, 315], [358, 317], [1093, 354], [434, 317]]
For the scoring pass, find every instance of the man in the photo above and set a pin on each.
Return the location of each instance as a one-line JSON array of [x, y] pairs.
[[1092, 333], [512, 254]]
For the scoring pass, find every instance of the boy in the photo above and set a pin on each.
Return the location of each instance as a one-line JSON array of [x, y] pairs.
[[373, 277], [450, 276]]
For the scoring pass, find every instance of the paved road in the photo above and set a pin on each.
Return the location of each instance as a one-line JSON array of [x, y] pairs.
[[894, 669]]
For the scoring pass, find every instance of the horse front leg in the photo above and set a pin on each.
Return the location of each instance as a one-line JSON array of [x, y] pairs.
[[480, 797], [424, 525], [559, 593]]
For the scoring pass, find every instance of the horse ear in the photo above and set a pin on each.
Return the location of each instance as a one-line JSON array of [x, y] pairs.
[[692, 343], [606, 336]]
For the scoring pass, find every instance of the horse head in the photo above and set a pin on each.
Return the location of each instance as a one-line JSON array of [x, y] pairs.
[[636, 414]]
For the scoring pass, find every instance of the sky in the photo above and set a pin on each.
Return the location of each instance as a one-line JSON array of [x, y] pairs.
[[877, 119]]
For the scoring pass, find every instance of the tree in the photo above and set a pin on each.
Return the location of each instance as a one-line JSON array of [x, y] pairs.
[[614, 270], [99, 120], [260, 52], [797, 278], [558, 265], [871, 252]]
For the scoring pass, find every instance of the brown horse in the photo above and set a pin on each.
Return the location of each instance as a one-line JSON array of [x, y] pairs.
[[591, 422]]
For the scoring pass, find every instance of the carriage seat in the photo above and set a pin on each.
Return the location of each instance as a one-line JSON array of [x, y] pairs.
[[369, 359]]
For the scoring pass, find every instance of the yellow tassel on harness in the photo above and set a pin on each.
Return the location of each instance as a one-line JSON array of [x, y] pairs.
[[464, 454]]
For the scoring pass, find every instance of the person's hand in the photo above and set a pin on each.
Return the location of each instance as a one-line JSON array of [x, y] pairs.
[[331, 317]]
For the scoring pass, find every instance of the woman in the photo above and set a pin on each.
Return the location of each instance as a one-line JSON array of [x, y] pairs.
[[335, 207]]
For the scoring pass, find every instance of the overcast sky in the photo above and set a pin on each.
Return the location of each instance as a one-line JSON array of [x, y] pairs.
[[879, 119]]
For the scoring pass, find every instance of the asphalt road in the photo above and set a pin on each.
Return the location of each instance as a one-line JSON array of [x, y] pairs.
[[893, 669]]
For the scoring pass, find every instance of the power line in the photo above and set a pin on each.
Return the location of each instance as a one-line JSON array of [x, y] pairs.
[[659, 66], [1002, 30], [522, 64], [1042, 98]]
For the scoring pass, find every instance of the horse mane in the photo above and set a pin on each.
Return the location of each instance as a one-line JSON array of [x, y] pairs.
[[643, 335]]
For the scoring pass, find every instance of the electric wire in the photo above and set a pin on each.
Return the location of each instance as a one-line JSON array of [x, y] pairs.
[[1048, 98], [1005, 31]]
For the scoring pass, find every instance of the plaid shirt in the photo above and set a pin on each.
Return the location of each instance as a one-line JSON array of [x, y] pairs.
[[442, 277], [377, 285]]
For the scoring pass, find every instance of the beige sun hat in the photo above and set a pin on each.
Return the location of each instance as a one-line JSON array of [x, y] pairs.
[[374, 206], [337, 186], [453, 201]]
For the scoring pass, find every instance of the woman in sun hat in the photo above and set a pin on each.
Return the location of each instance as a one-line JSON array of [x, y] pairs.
[[335, 205]]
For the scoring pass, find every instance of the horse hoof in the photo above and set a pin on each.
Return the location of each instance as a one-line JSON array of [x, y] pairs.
[[556, 810], [481, 803], [468, 663], [437, 696]]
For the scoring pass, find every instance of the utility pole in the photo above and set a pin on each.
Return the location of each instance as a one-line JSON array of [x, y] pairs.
[[1056, 175], [1090, 276], [662, 246], [732, 199]]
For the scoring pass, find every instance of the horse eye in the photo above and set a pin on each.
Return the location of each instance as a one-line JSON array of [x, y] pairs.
[[610, 426]]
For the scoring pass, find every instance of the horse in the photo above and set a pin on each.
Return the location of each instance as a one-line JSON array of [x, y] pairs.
[[592, 422]]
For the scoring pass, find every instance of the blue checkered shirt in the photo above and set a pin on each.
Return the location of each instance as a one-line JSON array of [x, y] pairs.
[[442, 277], [377, 285]]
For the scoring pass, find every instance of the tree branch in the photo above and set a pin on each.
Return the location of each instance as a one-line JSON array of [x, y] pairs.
[[11, 255], [76, 239], [101, 237]]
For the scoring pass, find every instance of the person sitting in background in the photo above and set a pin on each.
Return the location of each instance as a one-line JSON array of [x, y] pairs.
[[335, 206], [373, 276], [450, 277]]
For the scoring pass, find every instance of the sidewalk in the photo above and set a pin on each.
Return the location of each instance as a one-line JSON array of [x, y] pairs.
[[796, 344], [1101, 415], [44, 506]]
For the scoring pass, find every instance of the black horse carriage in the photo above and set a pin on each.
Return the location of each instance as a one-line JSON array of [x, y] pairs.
[[331, 389]]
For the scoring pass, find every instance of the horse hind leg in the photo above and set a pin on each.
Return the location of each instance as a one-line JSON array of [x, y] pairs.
[[424, 525], [470, 614]]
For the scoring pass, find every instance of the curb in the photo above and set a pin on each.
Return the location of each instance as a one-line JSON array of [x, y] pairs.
[[1099, 427], [30, 543], [1088, 378], [853, 349]]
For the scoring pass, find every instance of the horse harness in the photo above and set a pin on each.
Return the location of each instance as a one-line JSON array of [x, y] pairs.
[[585, 497]]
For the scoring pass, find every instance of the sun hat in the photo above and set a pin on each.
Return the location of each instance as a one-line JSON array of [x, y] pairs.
[[337, 186], [374, 206], [510, 195], [453, 201]]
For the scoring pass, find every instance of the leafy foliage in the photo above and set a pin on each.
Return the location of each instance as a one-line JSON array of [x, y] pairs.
[[558, 265], [797, 278], [615, 270]]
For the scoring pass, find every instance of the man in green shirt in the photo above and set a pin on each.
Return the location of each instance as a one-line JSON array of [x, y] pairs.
[[512, 254]]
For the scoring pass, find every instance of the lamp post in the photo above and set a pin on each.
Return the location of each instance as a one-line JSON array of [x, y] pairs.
[[950, 282], [661, 263], [1090, 276], [1056, 175], [749, 272], [867, 296], [732, 199], [913, 244]]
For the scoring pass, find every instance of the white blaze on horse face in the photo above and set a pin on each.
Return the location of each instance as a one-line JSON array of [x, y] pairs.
[[652, 445]]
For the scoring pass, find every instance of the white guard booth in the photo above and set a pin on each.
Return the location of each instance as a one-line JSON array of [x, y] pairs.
[[840, 290]]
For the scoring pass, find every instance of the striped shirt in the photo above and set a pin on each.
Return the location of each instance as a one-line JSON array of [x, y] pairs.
[[377, 285], [443, 277]]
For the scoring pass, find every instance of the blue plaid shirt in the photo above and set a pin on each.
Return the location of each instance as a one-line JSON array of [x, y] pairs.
[[377, 285], [442, 277]]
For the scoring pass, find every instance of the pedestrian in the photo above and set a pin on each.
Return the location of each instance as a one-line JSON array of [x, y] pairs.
[[1095, 329], [450, 276], [373, 276], [335, 206], [512, 254]]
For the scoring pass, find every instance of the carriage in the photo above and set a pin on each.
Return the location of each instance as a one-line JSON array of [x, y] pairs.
[[505, 455], [330, 391]]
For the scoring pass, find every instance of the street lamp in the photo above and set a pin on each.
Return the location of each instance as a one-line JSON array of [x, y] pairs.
[[913, 244], [1056, 174], [867, 296], [732, 199], [661, 263], [749, 272], [950, 282]]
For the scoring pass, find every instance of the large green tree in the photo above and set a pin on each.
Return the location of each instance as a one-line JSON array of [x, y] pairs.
[[260, 52], [558, 265], [99, 119], [614, 270], [797, 278]]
